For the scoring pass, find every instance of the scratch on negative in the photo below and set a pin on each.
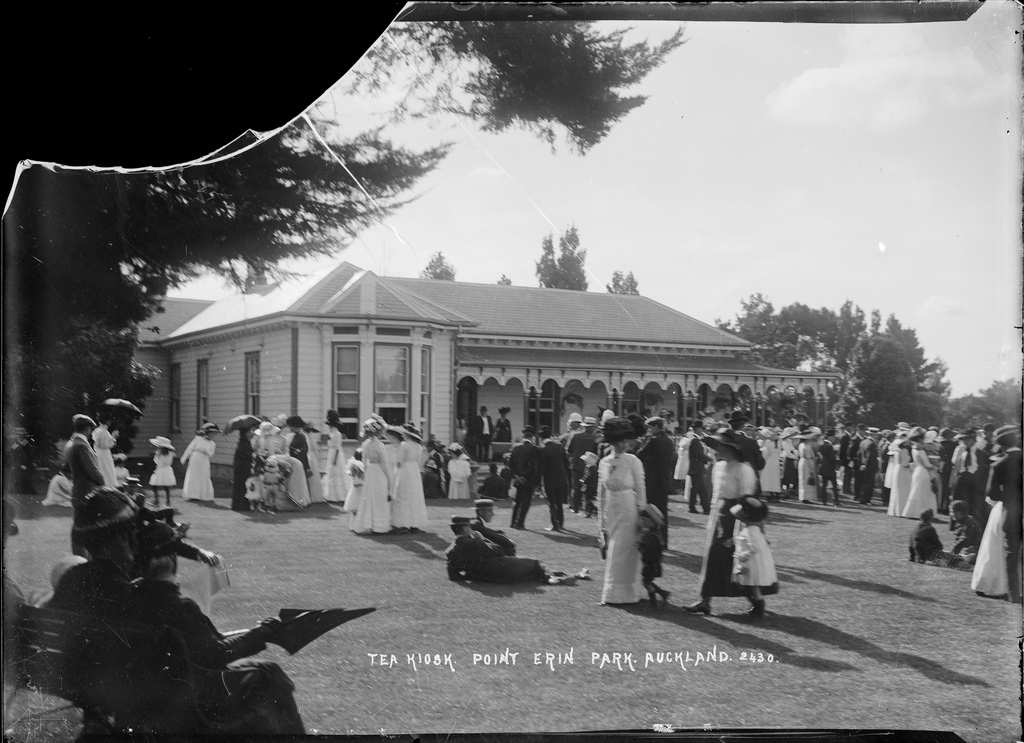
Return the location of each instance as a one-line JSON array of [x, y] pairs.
[[466, 705]]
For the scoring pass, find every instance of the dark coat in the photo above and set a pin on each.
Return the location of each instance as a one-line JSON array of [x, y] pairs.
[[1005, 485], [750, 452], [85, 472], [658, 455], [475, 558], [299, 448], [869, 456], [160, 602], [494, 535], [853, 453], [698, 456], [493, 487], [650, 553], [525, 462], [99, 588], [580, 444], [924, 542], [966, 535], [827, 452], [242, 469], [554, 467]]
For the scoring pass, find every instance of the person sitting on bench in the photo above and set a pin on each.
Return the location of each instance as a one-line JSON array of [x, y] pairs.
[[249, 695]]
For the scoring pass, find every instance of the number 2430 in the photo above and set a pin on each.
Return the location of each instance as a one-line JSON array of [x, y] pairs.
[[752, 657]]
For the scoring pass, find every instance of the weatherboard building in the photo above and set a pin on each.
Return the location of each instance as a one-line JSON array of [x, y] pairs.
[[432, 352]]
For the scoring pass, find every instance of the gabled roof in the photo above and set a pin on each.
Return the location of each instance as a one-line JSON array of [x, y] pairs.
[[558, 313], [488, 309], [176, 313]]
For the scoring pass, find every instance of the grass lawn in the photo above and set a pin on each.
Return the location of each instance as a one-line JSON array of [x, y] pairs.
[[858, 637]]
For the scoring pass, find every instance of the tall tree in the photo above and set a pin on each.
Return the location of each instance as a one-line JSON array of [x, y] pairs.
[[999, 403], [550, 78], [566, 271], [505, 280], [929, 375], [881, 388], [438, 268], [623, 284]]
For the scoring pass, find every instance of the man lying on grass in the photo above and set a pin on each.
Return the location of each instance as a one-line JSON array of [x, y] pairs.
[[473, 557]]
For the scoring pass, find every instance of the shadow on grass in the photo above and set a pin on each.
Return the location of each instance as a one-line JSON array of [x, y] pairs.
[[427, 545], [787, 515], [501, 590], [739, 641], [859, 585], [320, 511], [813, 629]]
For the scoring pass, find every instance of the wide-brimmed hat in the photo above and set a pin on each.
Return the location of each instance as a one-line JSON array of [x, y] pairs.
[[607, 415], [374, 425], [397, 431], [750, 508], [458, 522], [575, 417], [655, 420], [411, 433], [209, 427], [916, 433], [618, 429], [725, 437], [455, 447], [268, 429], [156, 539], [529, 430], [902, 424], [738, 416], [162, 442], [1006, 431], [655, 513], [295, 421], [589, 421], [280, 420], [80, 418], [545, 432], [873, 430], [105, 510], [504, 411]]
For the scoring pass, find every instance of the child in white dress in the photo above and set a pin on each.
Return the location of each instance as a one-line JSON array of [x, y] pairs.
[[753, 565], [163, 476]]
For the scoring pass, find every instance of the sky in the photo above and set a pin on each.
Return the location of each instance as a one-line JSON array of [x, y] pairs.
[[812, 163]]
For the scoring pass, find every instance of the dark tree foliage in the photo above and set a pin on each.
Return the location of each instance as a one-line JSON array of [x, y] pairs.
[[98, 251], [544, 77], [566, 271], [438, 268], [623, 284], [1000, 403], [880, 389]]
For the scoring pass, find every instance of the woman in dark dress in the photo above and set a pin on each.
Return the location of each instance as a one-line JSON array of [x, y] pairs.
[[503, 427], [242, 470]]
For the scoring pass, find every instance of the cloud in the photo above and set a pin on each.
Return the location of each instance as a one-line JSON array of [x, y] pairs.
[[938, 306], [887, 78]]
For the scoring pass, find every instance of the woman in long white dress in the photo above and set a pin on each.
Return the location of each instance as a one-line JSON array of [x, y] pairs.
[[102, 443], [807, 466], [621, 494], [409, 509], [374, 514], [990, 576], [197, 455], [315, 480], [922, 497], [335, 480], [771, 475], [270, 442], [900, 466], [458, 473]]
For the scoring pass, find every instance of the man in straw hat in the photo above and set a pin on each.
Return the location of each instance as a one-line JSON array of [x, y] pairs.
[[473, 557], [658, 455], [525, 466]]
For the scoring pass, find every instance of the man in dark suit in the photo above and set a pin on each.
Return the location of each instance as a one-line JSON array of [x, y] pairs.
[[555, 473], [658, 455], [484, 514], [579, 444], [481, 429], [1005, 485], [827, 469], [844, 458], [85, 472], [524, 463], [868, 466], [985, 451], [947, 445], [853, 459], [699, 459]]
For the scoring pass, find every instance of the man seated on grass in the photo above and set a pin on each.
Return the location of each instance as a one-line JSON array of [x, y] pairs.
[[924, 541], [484, 514], [473, 557]]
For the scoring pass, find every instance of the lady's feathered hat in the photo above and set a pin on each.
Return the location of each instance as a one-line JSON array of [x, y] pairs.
[[724, 437], [103, 511], [504, 411], [374, 425], [162, 442], [618, 429], [411, 433]]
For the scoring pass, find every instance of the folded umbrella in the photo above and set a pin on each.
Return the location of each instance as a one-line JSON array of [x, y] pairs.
[[299, 627]]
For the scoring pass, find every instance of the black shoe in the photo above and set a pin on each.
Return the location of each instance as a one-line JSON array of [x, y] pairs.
[[757, 610], [701, 607], [664, 595], [693, 510]]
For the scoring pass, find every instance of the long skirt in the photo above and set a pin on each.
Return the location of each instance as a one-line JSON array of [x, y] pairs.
[[806, 470], [922, 497], [409, 509], [622, 583], [374, 511], [990, 577], [899, 492]]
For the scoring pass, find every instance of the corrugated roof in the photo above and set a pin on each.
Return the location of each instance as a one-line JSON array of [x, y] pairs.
[[553, 358], [176, 313], [560, 313]]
